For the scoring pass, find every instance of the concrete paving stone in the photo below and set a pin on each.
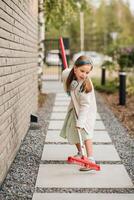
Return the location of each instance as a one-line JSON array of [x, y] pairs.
[[61, 115], [59, 123], [51, 86], [60, 108], [55, 124], [57, 115], [59, 99], [99, 125], [81, 196], [62, 94], [61, 103], [62, 99], [53, 136], [64, 109], [98, 116], [99, 136], [68, 176], [48, 77], [61, 152]]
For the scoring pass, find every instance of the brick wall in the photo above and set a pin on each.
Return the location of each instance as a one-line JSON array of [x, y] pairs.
[[18, 75]]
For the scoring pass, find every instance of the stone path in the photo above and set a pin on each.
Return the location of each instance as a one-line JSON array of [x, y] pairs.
[[58, 180]]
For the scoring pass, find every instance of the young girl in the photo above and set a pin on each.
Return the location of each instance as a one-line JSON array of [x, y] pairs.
[[78, 84]]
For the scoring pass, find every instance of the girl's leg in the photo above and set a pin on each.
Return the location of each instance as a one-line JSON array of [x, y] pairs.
[[89, 147], [78, 147], [89, 150]]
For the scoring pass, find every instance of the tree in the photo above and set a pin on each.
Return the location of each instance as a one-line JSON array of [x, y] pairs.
[[57, 13], [62, 18]]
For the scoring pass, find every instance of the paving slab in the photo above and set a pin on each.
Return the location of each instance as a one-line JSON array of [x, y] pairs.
[[65, 98], [81, 196], [60, 108], [61, 115], [57, 115], [98, 116], [68, 176], [99, 125], [99, 136], [62, 94], [64, 110], [53, 136], [95, 131], [61, 103], [52, 86], [57, 125], [61, 152]]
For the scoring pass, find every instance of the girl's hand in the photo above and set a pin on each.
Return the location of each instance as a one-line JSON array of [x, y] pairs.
[[78, 127]]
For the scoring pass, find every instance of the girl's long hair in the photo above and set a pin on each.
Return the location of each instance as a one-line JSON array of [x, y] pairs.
[[86, 85]]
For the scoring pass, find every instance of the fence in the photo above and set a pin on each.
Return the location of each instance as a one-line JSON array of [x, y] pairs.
[[53, 60]]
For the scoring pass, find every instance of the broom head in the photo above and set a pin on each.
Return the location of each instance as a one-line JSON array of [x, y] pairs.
[[83, 161]]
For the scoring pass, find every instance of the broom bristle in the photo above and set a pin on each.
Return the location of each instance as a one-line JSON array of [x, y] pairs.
[[83, 161]]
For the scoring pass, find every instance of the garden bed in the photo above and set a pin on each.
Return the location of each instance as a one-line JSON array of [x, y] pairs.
[[125, 114]]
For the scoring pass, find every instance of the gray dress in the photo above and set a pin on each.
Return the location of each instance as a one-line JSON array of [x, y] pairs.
[[69, 130]]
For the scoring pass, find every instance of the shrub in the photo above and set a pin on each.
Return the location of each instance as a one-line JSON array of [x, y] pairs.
[[125, 58], [108, 65], [130, 86], [109, 88]]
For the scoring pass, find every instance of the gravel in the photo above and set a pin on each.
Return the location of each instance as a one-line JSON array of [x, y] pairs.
[[21, 178], [123, 143]]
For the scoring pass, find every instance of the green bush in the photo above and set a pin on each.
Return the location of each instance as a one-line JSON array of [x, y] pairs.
[[109, 88], [125, 58], [108, 65], [130, 86]]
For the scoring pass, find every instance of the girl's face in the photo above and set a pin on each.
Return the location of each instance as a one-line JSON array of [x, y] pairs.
[[82, 72]]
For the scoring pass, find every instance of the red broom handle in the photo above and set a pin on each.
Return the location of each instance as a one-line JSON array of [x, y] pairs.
[[63, 53]]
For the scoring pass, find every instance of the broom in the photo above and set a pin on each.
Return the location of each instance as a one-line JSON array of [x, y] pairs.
[[83, 160]]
